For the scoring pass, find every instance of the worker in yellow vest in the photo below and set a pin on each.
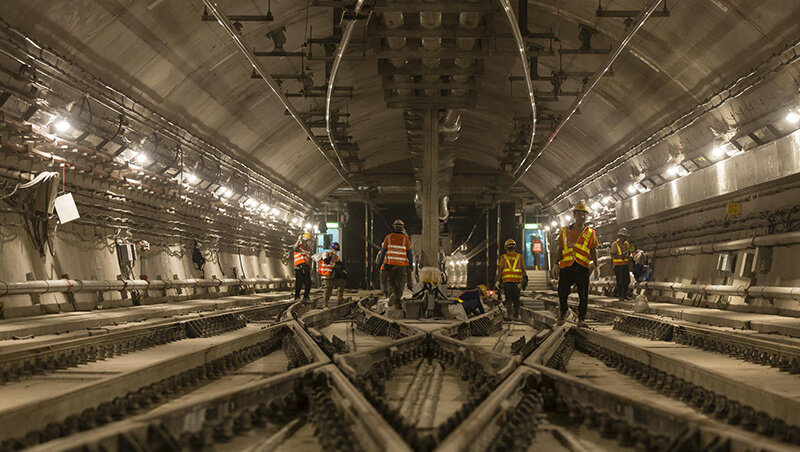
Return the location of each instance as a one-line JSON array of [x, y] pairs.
[[621, 254], [510, 275], [302, 266], [577, 244]]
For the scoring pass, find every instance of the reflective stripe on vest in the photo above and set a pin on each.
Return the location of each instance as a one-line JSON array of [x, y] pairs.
[[460, 300], [512, 272], [327, 269], [619, 261], [301, 257], [537, 247], [396, 252], [580, 252]]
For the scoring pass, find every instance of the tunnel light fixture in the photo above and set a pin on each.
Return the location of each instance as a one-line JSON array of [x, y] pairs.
[[250, 202], [554, 223], [632, 189], [547, 228], [793, 117], [274, 212], [62, 125], [225, 192], [673, 171], [191, 178], [718, 152], [308, 226], [140, 158], [607, 199], [596, 206]]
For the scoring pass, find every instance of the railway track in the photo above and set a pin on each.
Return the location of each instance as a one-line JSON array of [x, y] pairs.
[[288, 376]]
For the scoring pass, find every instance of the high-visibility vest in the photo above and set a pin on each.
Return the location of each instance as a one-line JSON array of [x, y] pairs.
[[536, 246], [326, 269], [512, 270], [396, 251], [580, 252], [621, 261], [302, 256]]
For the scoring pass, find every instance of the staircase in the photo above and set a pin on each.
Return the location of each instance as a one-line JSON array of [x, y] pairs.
[[537, 280]]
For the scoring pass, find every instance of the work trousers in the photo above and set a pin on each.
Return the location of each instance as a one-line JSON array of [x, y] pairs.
[[331, 284], [536, 257], [396, 278], [578, 275], [623, 281], [511, 290], [302, 278], [385, 282]]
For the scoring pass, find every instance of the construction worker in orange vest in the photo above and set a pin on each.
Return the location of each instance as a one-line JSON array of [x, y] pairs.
[[577, 244], [399, 260], [621, 254], [302, 266], [536, 250], [511, 274], [333, 274]]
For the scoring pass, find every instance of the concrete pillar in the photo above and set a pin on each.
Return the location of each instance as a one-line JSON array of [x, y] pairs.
[[430, 189]]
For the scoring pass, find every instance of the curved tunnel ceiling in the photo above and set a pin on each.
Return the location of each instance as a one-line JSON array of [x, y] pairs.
[[190, 71]]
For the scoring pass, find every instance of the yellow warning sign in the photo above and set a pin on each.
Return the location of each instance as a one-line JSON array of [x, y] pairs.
[[733, 208]]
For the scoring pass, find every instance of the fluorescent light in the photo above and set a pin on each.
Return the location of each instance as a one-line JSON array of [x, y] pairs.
[[274, 211], [793, 117], [62, 125], [226, 192], [632, 189], [596, 206], [250, 202], [718, 152], [673, 170], [264, 207], [191, 178], [607, 199], [141, 158]]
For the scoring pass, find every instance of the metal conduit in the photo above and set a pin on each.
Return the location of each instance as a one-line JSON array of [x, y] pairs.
[[512, 20], [226, 24], [776, 292], [77, 285], [782, 239], [332, 80], [638, 23]]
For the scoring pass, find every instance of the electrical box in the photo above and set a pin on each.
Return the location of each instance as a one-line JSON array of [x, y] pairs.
[[724, 262], [126, 253], [762, 260], [745, 269]]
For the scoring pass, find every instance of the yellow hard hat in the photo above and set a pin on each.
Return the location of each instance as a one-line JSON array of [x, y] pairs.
[[581, 206], [482, 289], [398, 224], [510, 242], [306, 236]]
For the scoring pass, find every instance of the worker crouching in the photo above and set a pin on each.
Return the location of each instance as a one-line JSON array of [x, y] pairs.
[[471, 300], [577, 244], [333, 274]]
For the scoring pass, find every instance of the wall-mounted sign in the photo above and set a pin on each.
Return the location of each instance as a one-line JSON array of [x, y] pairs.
[[532, 226]]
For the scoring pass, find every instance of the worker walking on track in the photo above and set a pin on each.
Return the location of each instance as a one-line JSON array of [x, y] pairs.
[[536, 250], [333, 275], [396, 252], [577, 244], [511, 275], [471, 300], [621, 254], [302, 266]]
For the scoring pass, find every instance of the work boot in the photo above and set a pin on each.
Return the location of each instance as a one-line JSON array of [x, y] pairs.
[[296, 299], [306, 300], [560, 320], [582, 324], [392, 300]]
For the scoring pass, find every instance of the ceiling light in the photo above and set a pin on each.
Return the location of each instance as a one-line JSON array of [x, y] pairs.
[[547, 228], [274, 211], [250, 202], [226, 192], [607, 199], [141, 158], [596, 206], [673, 170], [632, 189], [191, 178], [554, 223], [718, 152], [308, 225], [62, 125], [793, 117], [264, 207]]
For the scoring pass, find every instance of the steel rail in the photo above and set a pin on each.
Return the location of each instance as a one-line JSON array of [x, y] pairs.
[[623, 42], [273, 85], [337, 61]]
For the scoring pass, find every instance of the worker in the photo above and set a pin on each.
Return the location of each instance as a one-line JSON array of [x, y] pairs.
[[621, 257], [471, 299], [510, 275], [333, 275], [399, 260], [384, 275], [302, 266], [536, 250], [577, 244]]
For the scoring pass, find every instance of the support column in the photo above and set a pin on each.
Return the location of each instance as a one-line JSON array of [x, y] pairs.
[[430, 189]]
